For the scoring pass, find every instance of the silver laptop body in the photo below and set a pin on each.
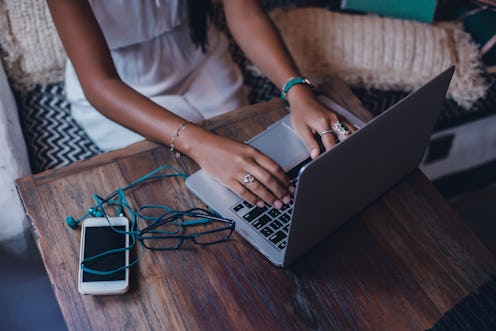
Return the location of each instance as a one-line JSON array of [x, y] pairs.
[[339, 183]]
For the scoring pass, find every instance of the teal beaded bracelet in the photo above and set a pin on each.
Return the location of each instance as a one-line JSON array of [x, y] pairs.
[[292, 82]]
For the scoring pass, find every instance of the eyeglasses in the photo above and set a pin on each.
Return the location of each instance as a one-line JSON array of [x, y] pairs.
[[171, 229]]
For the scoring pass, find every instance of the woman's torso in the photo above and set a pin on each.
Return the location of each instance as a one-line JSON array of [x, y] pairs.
[[153, 53]]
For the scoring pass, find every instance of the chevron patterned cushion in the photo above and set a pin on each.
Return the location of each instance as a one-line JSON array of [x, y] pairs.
[[52, 136]]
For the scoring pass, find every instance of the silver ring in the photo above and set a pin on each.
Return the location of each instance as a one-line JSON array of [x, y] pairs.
[[326, 132], [248, 178], [340, 128]]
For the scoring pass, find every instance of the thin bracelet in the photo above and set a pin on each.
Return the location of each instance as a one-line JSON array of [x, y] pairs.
[[292, 82], [175, 136]]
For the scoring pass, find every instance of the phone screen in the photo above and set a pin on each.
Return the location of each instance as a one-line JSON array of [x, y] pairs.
[[100, 239]]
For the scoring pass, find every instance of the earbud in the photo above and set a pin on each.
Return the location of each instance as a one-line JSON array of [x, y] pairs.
[[71, 222]]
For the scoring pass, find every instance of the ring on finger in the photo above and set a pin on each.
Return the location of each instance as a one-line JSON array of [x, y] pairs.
[[248, 178], [340, 128], [328, 131]]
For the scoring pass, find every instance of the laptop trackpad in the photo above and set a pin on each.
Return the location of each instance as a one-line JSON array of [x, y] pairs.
[[281, 144]]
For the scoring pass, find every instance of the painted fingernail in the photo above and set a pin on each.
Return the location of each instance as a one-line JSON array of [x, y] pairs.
[[260, 204], [277, 204], [286, 199], [292, 189], [314, 153]]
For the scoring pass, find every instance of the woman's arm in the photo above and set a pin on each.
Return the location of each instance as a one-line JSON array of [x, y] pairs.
[[226, 160], [87, 49], [262, 43]]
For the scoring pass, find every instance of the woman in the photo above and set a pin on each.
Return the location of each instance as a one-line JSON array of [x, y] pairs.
[[156, 67]]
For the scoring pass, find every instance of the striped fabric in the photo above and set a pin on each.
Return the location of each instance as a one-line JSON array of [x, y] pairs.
[[52, 136]]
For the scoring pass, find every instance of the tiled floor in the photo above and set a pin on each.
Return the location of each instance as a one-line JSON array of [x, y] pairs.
[[27, 301]]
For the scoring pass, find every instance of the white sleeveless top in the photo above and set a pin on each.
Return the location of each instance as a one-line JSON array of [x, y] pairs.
[[153, 53]]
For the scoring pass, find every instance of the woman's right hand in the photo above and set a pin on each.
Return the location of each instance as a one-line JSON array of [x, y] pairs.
[[242, 168]]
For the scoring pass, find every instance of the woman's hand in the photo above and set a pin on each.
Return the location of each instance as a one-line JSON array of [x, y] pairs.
[[313, 121], [242, 168]]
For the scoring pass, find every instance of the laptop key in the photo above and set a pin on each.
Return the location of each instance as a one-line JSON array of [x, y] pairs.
[[254, 213], [274, 212], [276, 224], [247, 204], [285, 218], [238, 207], [267, 231], [261, 222], [277, 237], [282, 244]]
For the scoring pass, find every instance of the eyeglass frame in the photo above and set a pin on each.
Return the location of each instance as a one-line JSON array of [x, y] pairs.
[[205, 214]]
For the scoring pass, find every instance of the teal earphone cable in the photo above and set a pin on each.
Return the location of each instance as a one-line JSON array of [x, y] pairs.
[[118, 198]]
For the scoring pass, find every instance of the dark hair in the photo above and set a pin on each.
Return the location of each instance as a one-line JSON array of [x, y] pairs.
[[199, 13]]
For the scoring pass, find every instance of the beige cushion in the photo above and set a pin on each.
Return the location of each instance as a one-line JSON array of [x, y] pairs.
[[384, 53], [31, 49]]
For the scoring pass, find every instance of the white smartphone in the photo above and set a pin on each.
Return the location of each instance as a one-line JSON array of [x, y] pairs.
[[98, 235]]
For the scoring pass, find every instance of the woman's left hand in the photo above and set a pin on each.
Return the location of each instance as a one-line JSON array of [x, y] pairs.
[[313, 121]]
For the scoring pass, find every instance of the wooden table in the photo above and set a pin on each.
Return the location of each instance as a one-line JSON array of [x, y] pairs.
[[398, 265]]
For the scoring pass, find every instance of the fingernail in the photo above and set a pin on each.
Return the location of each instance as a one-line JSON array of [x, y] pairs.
[[260, 204], [277, 204], [292, 189], [314, 153], [286, 199]]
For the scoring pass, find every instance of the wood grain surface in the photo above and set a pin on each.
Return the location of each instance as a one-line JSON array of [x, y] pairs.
[[398, 265]]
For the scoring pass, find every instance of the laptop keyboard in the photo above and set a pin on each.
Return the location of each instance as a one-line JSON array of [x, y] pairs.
[[273, 224]]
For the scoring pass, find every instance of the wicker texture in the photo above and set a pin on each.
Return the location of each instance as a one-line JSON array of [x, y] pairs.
[[382, 53], [32, 52]]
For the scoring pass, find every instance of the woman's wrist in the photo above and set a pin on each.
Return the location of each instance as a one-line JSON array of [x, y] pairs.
[[295, 84], [300, 95], [191, 140], [172, 145]]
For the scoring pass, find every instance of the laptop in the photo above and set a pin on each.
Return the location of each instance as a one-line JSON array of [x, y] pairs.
[[339, 183]]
